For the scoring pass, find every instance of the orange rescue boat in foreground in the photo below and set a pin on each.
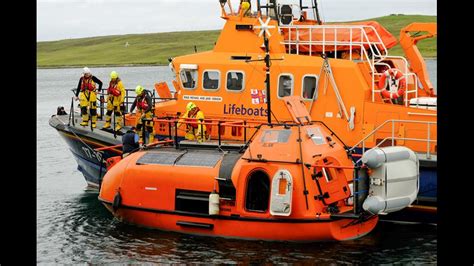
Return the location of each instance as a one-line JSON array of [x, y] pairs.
[[292, 181]]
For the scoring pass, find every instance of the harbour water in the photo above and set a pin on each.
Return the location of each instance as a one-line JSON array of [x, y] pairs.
[[73, 227]]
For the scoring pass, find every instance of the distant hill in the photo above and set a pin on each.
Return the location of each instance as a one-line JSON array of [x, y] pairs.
[[394, 23], [156, 48]]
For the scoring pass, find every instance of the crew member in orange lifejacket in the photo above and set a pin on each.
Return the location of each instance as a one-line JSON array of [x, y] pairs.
[[144, 106], [193, 130], [86, 90], [115, 97]]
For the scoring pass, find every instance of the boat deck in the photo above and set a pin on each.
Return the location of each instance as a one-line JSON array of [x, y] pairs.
[[61, 122]]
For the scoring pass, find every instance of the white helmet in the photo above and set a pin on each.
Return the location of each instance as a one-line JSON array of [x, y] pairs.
[[86, 70]]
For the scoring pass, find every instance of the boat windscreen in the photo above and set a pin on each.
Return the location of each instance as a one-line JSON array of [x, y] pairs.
[[316, 136], [275, 136], [165, 158], [181, 158], [199, 159]]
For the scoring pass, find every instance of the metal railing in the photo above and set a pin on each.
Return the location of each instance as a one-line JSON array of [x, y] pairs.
[[368, 50], [174, 123], [392, 137], [128, 101], [406, 74], [331, 30]]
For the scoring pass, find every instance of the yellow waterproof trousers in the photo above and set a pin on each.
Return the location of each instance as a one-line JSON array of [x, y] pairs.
[[88, 100], [149, 127], [113, 105]]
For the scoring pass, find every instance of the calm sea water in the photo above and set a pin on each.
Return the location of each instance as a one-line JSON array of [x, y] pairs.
[[73, 227]]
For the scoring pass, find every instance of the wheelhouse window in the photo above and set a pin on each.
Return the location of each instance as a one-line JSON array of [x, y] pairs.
[[235, 81], [258, 192], [310, 87], [285, 85], [211, 80], [316, 136], [188, 78], [275, 136]]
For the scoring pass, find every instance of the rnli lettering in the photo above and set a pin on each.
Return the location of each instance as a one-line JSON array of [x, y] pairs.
[[232, 109], [202, 98]]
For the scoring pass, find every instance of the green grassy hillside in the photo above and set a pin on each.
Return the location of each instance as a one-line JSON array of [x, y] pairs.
[[156, 48], [395, 23]]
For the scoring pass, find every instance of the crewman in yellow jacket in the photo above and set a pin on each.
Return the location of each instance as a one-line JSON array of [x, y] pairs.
[[115, 98], [194, 131], [244, 8], [86, 93], [144, 104]]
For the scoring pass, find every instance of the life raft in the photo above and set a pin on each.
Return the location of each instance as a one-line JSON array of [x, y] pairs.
[[395, 86]]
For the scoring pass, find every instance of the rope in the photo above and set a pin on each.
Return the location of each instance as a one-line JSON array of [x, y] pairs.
[[340, 102], [351, 119], [317, 86], [76, 135]]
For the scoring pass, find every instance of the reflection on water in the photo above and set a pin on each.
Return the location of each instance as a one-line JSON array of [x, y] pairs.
[[85, 232], [74, 227]]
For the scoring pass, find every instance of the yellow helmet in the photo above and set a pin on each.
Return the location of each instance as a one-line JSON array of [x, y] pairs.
[[139, 89], [190, 106], [245, 6], [113, 75]]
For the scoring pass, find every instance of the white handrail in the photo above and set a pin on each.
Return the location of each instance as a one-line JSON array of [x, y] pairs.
[[376, 47], [406, 74], [393, 137], [376, 57]]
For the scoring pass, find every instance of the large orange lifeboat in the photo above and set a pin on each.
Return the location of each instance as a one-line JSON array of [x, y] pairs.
[[335, 68], [292, 181]]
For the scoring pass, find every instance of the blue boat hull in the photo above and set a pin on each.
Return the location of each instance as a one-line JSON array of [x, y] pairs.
[[89, 162]]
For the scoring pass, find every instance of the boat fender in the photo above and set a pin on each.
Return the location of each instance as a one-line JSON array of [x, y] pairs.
[[214, 203], [117, 201], [393, 179], [378, 205], [376, 157]]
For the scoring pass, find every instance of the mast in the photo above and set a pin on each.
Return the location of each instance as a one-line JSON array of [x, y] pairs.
[[267, 77], [264, 27]]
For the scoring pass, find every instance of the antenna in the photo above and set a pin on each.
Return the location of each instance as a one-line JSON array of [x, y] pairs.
[[267, 77], [264, 30]]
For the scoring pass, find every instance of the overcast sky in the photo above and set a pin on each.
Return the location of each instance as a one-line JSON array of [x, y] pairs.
[[66, 19]]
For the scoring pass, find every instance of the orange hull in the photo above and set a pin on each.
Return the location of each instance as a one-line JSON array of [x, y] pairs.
[[169, 188], [300, 230]]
